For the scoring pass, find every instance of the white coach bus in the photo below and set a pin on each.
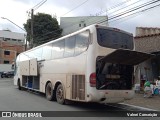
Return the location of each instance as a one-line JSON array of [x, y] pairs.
[[95, 64]]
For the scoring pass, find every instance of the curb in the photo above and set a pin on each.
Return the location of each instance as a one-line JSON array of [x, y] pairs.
[[139, 107]]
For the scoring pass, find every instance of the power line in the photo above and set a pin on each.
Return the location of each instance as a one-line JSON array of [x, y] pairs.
[[113, 7], [73, 24], [32, 19], [75, 8], [101, 12], [66, 27], [129, 11], [117, 5], [136, 8], [137, 13], [37, 5], [125, 7], [35, 8]]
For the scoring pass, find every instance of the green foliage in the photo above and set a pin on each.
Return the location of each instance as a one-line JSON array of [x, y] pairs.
[[45, 29]]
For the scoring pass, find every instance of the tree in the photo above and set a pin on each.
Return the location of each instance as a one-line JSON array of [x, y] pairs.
[[45, 29]]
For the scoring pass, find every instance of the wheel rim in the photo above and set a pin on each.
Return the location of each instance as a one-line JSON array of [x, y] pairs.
[[60, 94]]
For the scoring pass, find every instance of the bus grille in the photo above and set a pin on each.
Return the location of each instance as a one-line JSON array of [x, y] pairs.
[[78, 87]]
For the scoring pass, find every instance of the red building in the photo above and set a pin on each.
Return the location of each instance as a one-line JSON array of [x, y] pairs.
[[11, 44]]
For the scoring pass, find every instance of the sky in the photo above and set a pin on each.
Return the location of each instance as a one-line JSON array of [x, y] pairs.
[[16, 11]]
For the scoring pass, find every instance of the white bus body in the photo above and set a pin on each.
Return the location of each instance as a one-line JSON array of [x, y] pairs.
[[73, 67]]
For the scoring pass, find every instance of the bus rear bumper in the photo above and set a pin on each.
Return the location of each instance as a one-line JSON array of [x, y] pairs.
[[112, 100], [111, 96]]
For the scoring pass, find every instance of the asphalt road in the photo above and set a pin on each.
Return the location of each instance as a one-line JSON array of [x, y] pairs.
[[12, 99]]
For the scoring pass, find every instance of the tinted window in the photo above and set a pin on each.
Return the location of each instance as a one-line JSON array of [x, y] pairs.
[[114, 39], [69, 46], [81, 42], [58, 49], [47, 50]]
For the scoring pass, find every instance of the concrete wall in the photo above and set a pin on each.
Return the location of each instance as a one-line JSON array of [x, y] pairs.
[[144, 31], [147, 40], [148, 44], [13, 37]]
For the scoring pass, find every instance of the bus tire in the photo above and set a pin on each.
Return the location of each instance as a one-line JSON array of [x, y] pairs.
[[2, 76], [19, 84], [60, 94], [49, 92]]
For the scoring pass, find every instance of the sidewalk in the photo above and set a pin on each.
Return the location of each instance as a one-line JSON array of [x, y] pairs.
[[139, 100]]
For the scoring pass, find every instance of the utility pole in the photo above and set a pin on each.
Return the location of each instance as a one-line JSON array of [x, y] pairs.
[[32, 20]]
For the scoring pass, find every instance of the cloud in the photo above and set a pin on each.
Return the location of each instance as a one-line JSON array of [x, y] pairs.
[[8, 26], [15, 10], [23, 1]]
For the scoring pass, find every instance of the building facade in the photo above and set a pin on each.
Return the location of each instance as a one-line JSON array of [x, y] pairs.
[[72, 24], [148, 40], [11, 44]]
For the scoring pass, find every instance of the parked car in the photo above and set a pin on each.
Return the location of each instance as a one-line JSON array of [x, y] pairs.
[[8, 74]]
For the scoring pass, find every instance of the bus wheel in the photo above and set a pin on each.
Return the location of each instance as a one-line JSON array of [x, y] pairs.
[[49, 92], [60, 94], [19, 84], [2, 76]]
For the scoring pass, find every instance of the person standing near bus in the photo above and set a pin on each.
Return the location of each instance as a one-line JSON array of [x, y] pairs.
[[147, 89]]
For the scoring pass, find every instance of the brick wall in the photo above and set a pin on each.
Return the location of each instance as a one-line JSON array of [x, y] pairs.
[[13, 51]]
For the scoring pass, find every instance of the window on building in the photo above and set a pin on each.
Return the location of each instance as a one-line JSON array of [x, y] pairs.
[[6, 52], [6, 62], [14, 39], [79, 25], [5, 39], [84, 24], [19, 40]]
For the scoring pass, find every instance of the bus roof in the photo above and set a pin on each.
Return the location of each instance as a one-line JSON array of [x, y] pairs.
[[93, 26]]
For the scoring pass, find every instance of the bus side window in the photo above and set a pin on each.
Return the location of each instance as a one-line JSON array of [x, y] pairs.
[[69, 46], [38, 53], [58, 49], [81, 42], [46, 54]]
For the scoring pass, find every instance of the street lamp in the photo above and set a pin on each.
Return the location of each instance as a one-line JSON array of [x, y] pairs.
[[13, 23], [17, 26]]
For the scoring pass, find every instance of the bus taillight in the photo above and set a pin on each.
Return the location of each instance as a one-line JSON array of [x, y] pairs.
[[92, 80]]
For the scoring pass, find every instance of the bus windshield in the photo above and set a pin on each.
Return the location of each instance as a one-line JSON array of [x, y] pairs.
[[114, 39]]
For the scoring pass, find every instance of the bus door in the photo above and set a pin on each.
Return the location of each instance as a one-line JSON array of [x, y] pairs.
[[115, 70], [40, 65]]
